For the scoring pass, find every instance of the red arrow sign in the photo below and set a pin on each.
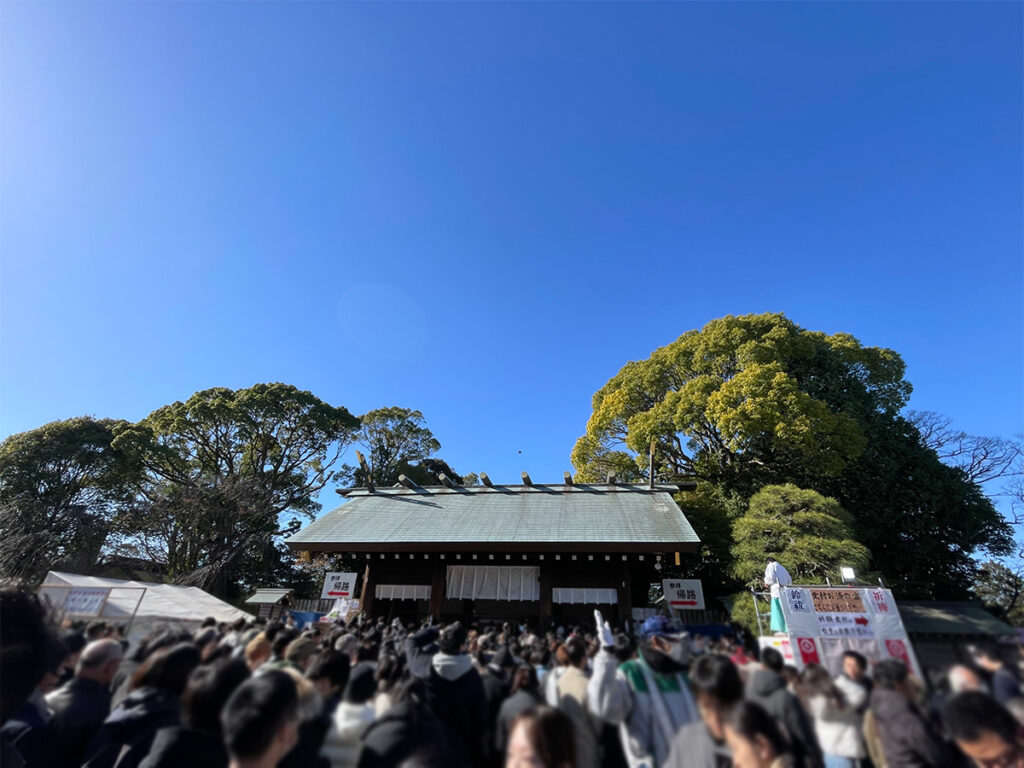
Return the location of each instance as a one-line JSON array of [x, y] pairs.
[[684, 602], [340, 594], [861, 620]]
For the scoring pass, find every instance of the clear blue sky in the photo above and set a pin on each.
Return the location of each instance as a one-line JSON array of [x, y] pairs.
[[483, 211]]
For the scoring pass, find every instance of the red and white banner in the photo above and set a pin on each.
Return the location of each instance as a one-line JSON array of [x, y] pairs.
[[897, 649], [835, 619], [808, 650]]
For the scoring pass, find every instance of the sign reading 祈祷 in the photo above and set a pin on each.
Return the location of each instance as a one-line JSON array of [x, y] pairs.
[[684, 594], [338, 585]]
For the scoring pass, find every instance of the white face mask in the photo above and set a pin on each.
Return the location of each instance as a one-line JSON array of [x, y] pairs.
[[679, 649]]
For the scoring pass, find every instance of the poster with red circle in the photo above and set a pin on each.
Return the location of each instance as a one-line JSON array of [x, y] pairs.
[[808, 650], [897, 649]]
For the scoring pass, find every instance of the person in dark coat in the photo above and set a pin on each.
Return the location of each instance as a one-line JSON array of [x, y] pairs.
[[198, 741], [153, 703], [419, 650], [455, 693], [907, 739], [153, 642], [81, 705], [74, 644], [767, 687], [27, 727], [524, 694], [496, 677], [409, 727], [1002, 682]]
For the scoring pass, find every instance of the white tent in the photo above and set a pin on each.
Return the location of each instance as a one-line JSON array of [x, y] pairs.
[[160, 604]]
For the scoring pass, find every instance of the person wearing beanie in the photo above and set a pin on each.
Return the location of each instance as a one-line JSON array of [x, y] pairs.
[[351, 718]]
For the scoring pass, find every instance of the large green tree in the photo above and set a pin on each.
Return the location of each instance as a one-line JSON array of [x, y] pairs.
[[745, 401], [810, 534], [399, 442], [755, 400], [61, 486], [221, 469]]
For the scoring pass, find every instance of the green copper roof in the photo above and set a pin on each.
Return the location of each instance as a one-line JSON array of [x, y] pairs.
[[950, 618], [606, 518], [268, 596]]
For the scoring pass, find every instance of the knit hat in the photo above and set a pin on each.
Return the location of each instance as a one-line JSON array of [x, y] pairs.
[[362, 684]]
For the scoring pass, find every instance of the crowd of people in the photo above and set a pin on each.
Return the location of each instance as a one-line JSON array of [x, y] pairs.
[[373, 694]]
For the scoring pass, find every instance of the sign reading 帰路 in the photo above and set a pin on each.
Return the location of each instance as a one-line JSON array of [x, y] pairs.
[[338, 585], [684, 594]]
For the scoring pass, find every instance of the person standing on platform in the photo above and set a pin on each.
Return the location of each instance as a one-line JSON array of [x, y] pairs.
[[775, 578]]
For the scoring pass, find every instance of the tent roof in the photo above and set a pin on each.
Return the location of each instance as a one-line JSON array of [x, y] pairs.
[[163, 601], [619, 518], [268, 596], [950, 618]]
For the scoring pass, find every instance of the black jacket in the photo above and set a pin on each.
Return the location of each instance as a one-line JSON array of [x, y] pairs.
[[419, 650], [179, 747], [306, 753], [131, 729], [768, 689], [460, 704], [406, 727], [26, 731], [495, 692], [79, 709], [907, 740]]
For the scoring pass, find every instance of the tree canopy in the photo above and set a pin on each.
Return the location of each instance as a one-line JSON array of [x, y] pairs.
[[61, 485], [808, 533], [399, 442], [220, 469], [1001, 589], [744, 400], [756, 400]]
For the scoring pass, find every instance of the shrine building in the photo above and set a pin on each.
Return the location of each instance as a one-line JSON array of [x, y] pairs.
[[530, 552]]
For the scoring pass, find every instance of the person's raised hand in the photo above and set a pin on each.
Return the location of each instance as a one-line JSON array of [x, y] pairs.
[[603, 630]]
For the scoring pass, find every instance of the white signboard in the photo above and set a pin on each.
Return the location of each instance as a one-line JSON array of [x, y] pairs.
[[83, 601], [824, 621], [338, 585], [343, 608], [684, 594], [781, 644]]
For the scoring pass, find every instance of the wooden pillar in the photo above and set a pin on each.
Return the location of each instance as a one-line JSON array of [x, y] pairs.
[[366, 596], [623, 586], [437, 583], [546, 582]]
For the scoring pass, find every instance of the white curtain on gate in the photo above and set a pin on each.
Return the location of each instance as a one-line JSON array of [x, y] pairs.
[[493, 582], [593, 595], [402, 591]]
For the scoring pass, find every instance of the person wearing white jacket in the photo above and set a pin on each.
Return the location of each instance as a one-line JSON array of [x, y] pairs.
[[351, 718], [647, 698], [837, 722]]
